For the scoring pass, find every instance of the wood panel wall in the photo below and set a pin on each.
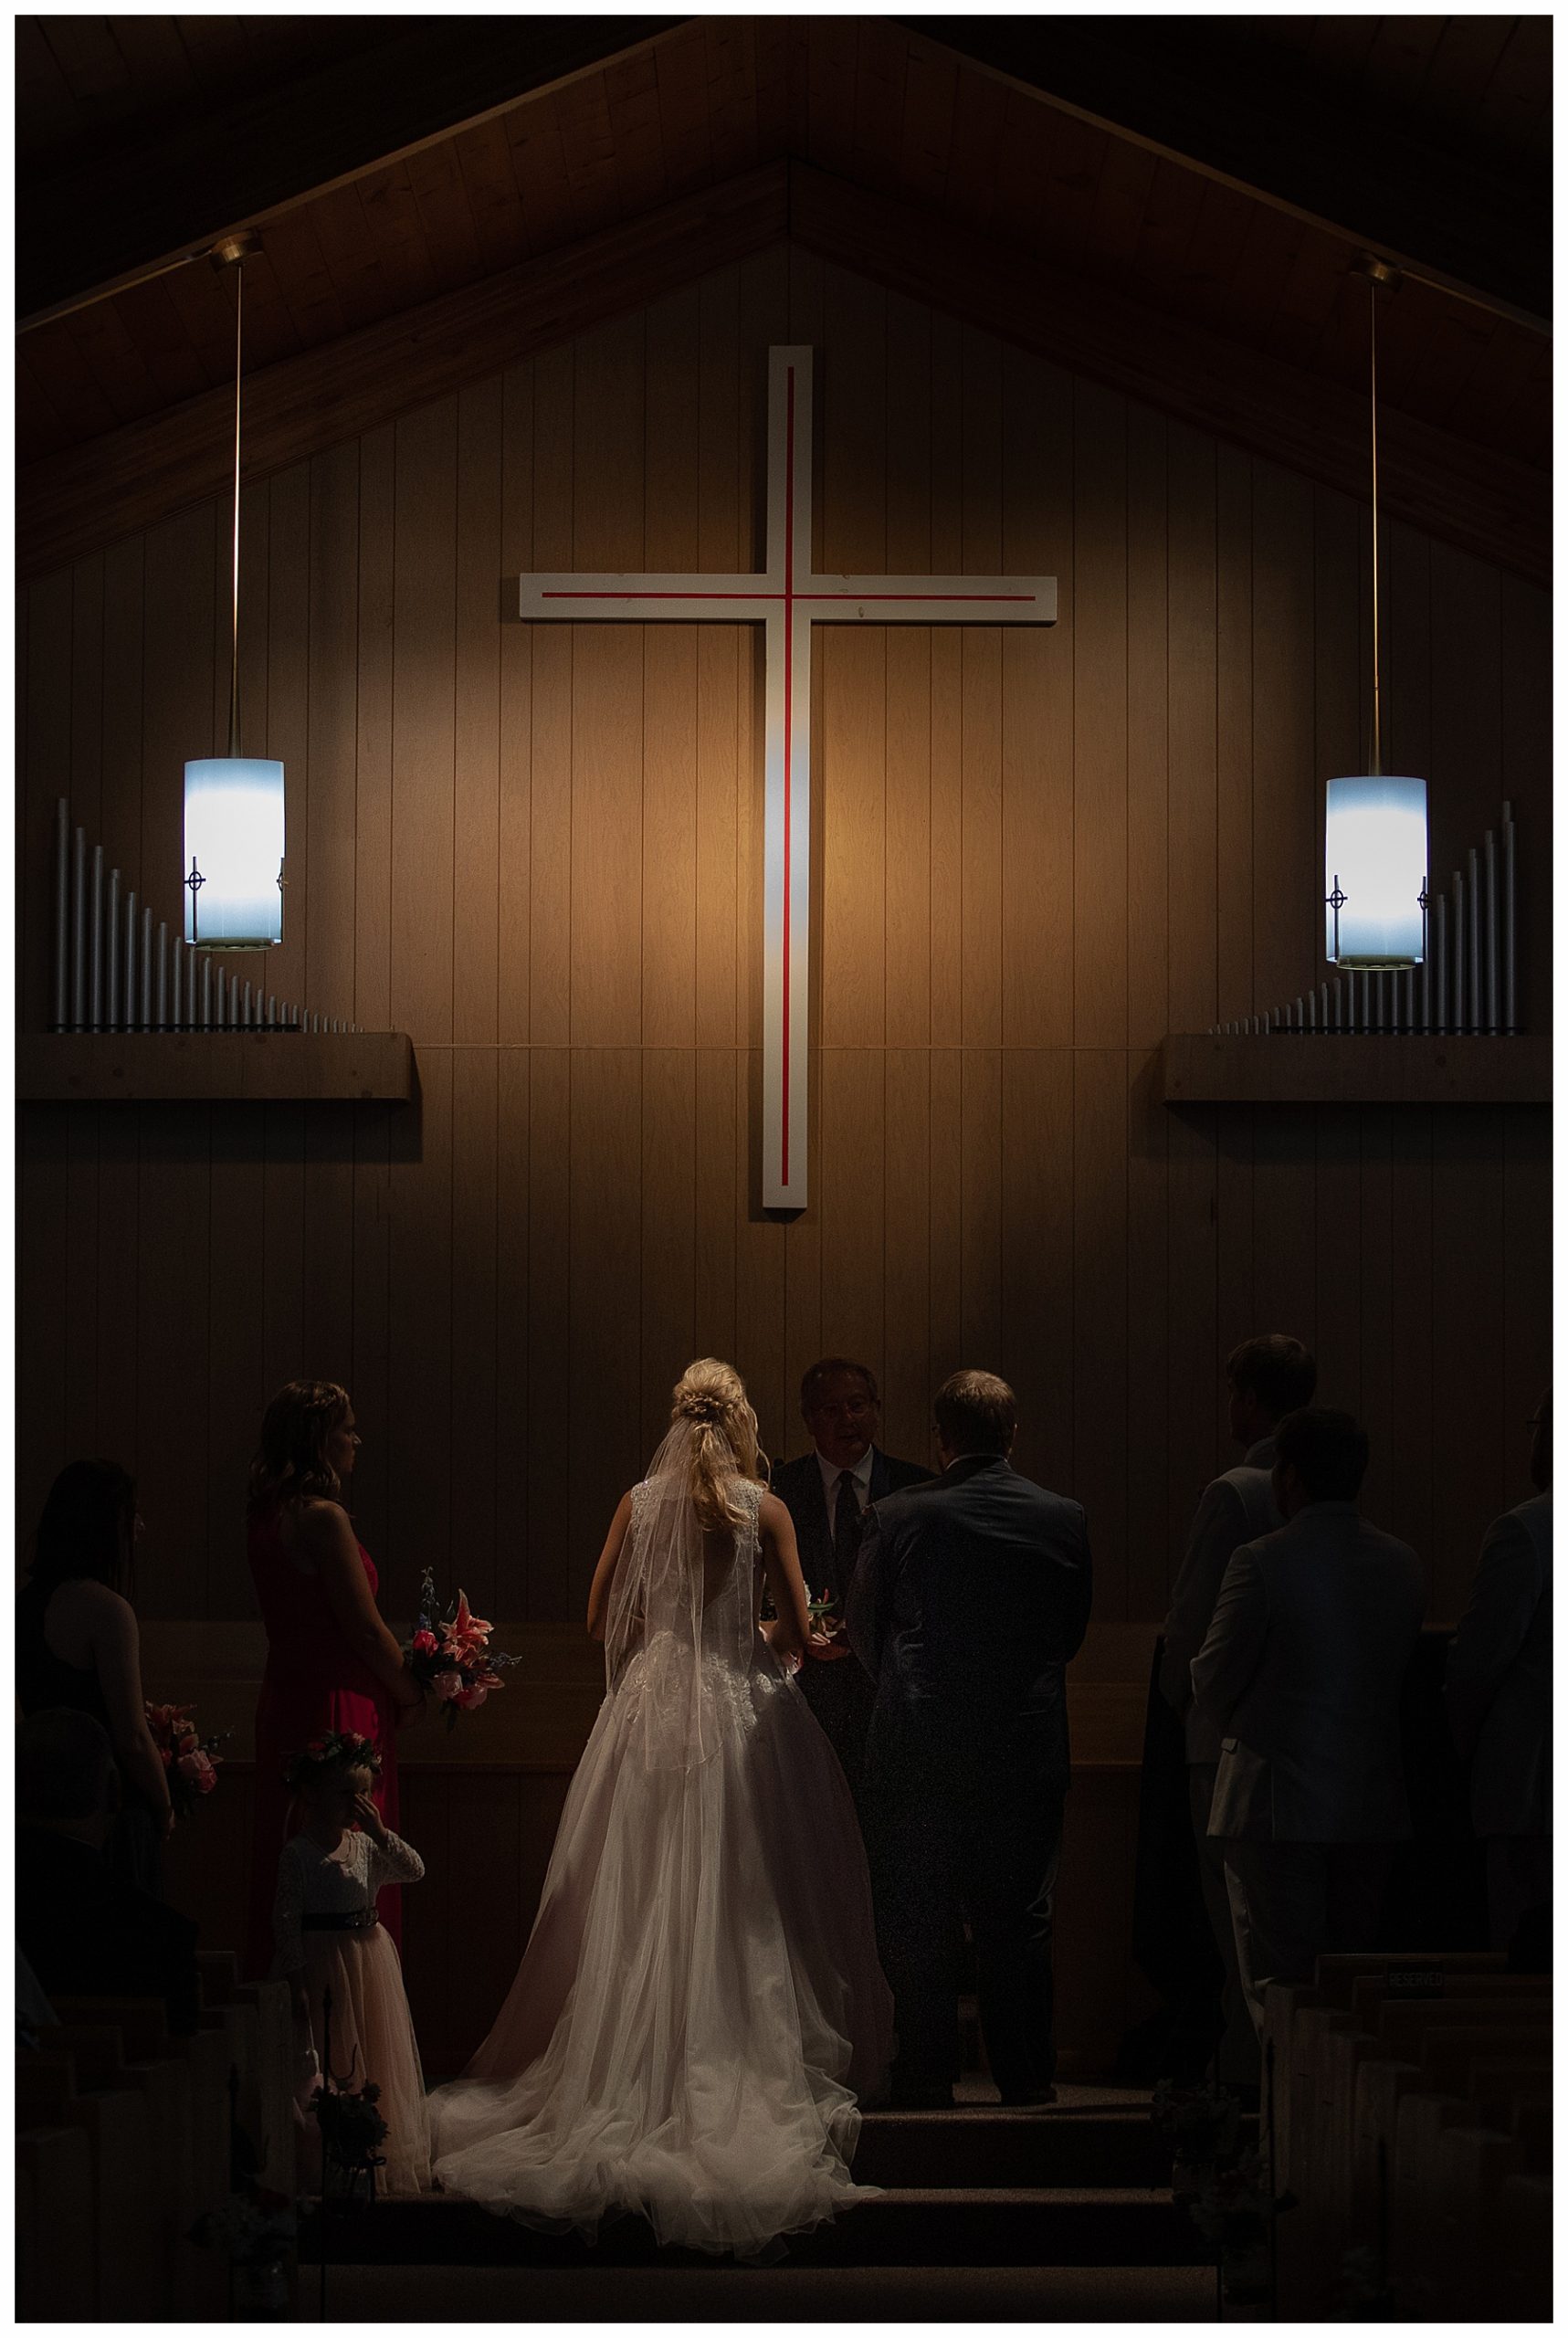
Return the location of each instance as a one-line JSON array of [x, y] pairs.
[[540, 852]]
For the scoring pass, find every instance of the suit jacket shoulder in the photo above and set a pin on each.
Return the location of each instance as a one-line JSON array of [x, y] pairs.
[[786, 1477], [899, 1475]]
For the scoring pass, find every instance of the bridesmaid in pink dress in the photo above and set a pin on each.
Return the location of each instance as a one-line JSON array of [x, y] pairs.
[[331, 1663]]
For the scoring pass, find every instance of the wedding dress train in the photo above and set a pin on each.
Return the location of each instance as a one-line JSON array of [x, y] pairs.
[[700, 2002]]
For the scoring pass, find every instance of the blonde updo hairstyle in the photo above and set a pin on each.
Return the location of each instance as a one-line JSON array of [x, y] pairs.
[[711, 1396]]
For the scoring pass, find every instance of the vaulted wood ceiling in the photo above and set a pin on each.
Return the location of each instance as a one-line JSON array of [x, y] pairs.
[[1217, 176]]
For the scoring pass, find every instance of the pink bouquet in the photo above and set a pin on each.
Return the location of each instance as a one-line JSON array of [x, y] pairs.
[[451, 1655], [191, 1760]]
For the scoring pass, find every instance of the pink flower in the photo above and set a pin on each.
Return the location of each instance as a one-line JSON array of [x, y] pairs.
[[425, 1643], [449, 1687], [467, 1631], [198, 1770], [471, 1699]]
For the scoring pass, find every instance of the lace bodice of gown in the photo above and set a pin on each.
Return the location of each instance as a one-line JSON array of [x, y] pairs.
[[729, 1607], [692, 1669]]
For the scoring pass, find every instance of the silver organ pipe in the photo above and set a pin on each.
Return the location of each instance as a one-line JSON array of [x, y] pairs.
[[111, 953], [60, 988], [132, 997], [1491, 899], [79, 932], [1510, 1018]]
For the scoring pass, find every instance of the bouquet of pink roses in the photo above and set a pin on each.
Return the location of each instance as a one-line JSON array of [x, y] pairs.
[[451, 1655], [191, 1760]]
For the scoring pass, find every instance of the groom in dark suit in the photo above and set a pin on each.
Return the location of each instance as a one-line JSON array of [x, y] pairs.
[[827, 1493], [970, 1596]]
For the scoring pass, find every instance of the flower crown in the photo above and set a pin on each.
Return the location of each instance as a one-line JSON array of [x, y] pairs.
[[334, 1749]]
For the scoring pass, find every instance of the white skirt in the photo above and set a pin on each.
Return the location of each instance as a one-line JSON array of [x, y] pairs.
[[701, 2000], [371, 2039]]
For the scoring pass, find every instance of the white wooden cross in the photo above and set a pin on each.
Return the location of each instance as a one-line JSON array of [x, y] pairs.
[[788, 598]]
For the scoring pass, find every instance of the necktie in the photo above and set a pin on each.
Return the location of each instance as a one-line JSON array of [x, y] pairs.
[[846, 1530]]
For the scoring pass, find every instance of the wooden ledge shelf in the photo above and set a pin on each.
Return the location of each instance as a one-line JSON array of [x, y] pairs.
[[1283, 1067], [215, 1067]]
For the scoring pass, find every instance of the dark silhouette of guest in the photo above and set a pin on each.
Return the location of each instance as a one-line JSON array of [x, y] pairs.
[[1300, 1676], [971, 1594], [1499, 1695], [827, 1493], [83, 1930], [1265, 1378], [332, 1662], [77, 1646]]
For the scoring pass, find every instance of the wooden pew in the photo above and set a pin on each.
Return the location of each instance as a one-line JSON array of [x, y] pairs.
[[1364, 2066], [196, 2167], [1459, 2184], [1422, 2192], [55, 2251], [1350, 2052], [122, 2148], [1334, 2214], [1522, 2227], [1331, 1993]]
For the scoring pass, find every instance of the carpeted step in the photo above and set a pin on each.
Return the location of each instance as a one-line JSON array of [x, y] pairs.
[[1022, 2225], [372, 2295], [1041, 2149]]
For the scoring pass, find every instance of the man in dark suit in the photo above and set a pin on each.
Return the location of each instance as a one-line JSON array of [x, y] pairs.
[[971, 1594], [1300, 1675], [827, 1493], [82, 1928]]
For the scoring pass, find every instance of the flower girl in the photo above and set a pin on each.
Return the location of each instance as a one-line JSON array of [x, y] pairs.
[[328, 1938]]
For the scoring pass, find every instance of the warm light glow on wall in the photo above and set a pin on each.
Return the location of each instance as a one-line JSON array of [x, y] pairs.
[[1375, 868], [234, 843]]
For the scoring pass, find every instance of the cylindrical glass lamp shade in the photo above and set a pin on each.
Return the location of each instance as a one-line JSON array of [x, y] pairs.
[[1374, 872], [234, 837]]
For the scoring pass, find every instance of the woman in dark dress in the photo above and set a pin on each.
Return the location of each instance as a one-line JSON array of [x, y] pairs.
[[331, 1663], [77, 1646]]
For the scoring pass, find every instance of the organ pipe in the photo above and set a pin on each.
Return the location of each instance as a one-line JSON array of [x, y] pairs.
[[59, 990]]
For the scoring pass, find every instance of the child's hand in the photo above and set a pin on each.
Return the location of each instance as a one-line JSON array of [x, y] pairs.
[[368, 1816]]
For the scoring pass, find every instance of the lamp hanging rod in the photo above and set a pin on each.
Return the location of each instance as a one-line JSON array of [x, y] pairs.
[[1380, 275], [233, 252]]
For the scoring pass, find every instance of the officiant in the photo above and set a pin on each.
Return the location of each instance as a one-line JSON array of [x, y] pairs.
[[826, 1492]]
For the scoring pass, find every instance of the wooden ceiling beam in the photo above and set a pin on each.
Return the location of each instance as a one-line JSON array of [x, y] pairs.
[[1336, 151], [75, 502], [1491, 505], [171, 185]]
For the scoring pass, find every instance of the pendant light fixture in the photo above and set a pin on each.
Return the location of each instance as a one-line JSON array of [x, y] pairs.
[[1374, 834], [234, 803]]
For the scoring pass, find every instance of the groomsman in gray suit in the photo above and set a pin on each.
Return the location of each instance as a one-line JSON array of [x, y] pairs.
[[827, 1493], [1499, 1698], [1300, 1674], [1265, 1378]]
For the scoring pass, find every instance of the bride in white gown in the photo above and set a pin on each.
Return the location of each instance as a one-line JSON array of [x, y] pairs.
[[700, 2004]]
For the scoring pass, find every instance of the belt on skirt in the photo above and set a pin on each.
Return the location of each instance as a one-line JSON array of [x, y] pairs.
[[347, 1923]]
